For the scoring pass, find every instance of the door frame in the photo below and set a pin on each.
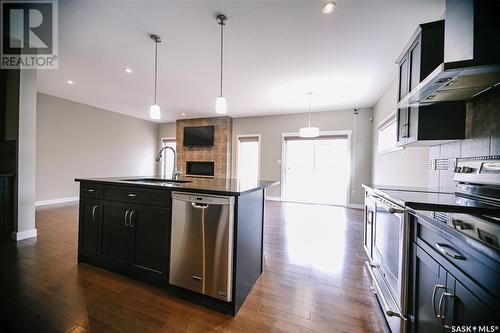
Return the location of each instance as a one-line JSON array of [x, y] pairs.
[[350, 166], [238, 152]]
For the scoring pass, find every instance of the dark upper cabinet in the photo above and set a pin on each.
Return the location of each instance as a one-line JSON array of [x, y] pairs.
[[431, 124], [88, 232], [150, 240], [421, 56]]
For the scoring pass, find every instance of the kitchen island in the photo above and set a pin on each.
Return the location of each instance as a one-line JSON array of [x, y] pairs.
[[200, 239]]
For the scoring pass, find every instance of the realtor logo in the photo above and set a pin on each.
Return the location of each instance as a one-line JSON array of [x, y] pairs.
[[29, 34]]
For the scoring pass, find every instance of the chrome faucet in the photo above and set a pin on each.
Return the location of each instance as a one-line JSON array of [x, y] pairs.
[[175, 173]]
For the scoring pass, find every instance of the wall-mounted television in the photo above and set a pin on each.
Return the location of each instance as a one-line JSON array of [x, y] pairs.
[[199, 136]]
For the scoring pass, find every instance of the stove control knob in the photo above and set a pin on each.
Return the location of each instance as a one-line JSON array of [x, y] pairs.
[[461, 225], [458, 169]]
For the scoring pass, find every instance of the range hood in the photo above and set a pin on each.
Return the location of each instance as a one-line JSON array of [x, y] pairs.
[[471, 55]]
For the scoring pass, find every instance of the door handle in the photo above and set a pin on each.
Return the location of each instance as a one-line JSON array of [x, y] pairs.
[[442, 314], [199, 206], [449, 251], [433, 299], [130, 219], [126, 218], [93, 213]]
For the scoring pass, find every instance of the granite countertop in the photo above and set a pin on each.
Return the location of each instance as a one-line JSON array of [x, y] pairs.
[[223, 186], [7, 175]]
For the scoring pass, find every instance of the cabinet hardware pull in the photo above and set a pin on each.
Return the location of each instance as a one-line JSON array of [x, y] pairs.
[[197, 278], [433, 299], [93, 213], [442, 314], [449, 251], [130, 219], [126, 218], [131, 195], [89, 190]]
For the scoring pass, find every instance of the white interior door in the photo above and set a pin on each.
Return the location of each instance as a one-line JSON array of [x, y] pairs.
[[317, 170], [248, 160]]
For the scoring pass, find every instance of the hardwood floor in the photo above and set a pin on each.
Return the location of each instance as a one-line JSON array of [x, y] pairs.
[[314, 281]]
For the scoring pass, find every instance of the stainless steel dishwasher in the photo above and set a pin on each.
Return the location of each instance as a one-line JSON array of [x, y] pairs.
[[201, 257]]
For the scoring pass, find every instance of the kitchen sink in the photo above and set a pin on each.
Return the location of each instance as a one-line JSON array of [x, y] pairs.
[[156, 180]]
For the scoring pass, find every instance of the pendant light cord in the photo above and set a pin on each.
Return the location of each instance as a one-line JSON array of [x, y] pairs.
[[310, 96], [156, 68], [221, 53]]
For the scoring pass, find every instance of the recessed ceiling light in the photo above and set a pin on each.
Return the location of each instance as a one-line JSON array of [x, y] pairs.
[[70, 82], [129, 70], [183, 114], [329, 7]]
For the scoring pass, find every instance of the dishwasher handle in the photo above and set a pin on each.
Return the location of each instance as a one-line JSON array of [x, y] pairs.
[[199, 206]]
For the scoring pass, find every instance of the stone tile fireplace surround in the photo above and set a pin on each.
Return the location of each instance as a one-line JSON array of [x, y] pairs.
[[220, 153]]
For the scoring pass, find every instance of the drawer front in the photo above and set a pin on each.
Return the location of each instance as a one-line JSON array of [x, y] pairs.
[[90, 190], [460, 255], [138, 195]]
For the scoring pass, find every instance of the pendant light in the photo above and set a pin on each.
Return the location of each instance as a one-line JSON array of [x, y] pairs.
[[154, 110], [309, 132], [220, 102]]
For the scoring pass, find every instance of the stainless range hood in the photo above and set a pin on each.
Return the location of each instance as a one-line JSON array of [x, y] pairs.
[[471, 55]]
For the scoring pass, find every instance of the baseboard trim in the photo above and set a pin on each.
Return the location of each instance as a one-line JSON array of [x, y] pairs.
[[273, 198], [55, 201], [355, 206], [20, 235]]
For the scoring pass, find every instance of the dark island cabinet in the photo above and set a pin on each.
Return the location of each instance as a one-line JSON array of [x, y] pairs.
[[150, 240], [116, 235], [90, 221], [123, 236]]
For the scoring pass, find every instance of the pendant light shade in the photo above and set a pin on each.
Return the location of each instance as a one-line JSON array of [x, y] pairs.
[[154, 112], [154, 109], [220, 102], [309, 132], [221, 105]]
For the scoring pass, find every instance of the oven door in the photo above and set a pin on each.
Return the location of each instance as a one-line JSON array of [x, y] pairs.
[[390, 259]]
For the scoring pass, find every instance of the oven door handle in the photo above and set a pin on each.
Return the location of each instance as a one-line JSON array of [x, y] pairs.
[[387, 310]]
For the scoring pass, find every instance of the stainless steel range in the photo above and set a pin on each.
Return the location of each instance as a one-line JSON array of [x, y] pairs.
[[473, 209]]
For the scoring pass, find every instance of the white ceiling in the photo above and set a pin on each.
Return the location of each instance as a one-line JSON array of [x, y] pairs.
[[275, 52]]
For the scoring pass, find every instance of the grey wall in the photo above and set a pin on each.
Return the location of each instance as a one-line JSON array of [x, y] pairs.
[[271, 127], [76, 140], [401, 167]]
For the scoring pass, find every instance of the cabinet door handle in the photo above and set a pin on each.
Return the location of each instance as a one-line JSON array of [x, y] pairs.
[[433, 299], [449, 251], [93, 213], [130, 218], [89, 190], [442, 300], [126, 218], [131, 195]]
